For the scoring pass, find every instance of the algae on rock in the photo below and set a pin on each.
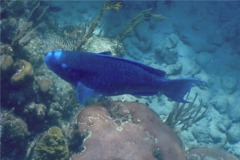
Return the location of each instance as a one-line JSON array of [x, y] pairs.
[[51, 146], [13, 133]]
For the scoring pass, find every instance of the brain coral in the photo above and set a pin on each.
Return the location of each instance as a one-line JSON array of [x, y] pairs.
[[126, 131], [24, 73]]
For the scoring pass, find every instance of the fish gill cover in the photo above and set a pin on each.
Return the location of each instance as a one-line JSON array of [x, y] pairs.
[[184, 39]]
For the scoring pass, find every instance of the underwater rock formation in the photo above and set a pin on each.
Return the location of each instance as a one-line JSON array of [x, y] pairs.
[[234, 132], [124, 130], [167, 52], [209, 153], [229, 84], [51, 146], [221, 104], [174, 69]]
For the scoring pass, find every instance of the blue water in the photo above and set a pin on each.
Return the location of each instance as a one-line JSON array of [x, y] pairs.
[[185, 39]]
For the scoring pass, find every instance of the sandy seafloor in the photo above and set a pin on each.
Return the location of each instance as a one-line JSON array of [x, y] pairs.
[[197, 39]]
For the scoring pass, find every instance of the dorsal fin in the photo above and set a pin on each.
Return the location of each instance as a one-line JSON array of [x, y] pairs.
[[157, 72], [108, 53], [143, 66]]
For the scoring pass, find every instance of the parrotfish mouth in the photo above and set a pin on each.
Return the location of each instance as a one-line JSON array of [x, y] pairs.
[[53, 54]]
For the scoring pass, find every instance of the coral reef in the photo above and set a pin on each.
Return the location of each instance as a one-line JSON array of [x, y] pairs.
[[111, 5], [14, 133], [35, 110], [51, 145], [29, 29], [13, 128], [63, 107], [44, 85], [108, 5], [24, 73], [142, 16], [122, 130], [6, 63], [31, 11], [6, 49]]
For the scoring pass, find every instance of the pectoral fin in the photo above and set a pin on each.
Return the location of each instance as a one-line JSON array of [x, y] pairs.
[[84, 93]]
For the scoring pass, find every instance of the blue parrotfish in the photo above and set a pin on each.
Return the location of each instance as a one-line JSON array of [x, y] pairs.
[[107, 75]]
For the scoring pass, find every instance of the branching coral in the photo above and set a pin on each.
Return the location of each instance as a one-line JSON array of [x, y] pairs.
[[108, 5], [25, 32], [112, 5], [142, 16], [38, 11], [185, 114], [21, 30]]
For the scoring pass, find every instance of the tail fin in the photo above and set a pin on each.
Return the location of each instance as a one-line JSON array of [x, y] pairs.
[[177, 89]]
